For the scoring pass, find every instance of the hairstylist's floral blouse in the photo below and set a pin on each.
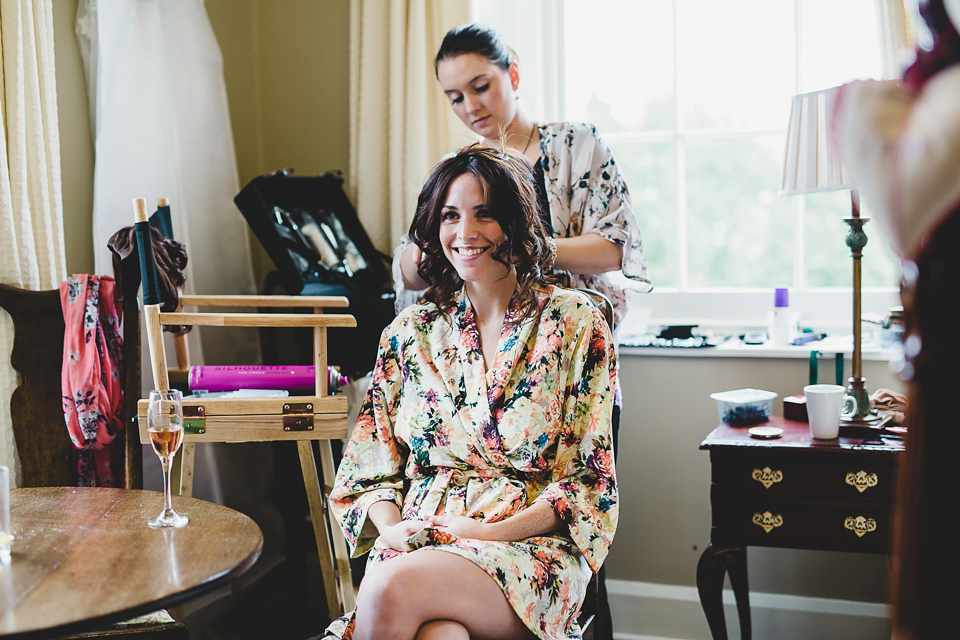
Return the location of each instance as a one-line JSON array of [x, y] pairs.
[[437, 434], [587, 194]]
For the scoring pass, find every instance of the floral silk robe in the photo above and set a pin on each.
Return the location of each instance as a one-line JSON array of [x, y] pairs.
[[437, 434]]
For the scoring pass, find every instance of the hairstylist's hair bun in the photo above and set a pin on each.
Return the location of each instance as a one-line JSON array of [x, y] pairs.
[[477, 39]]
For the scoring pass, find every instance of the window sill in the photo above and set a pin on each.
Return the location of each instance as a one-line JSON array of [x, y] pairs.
[[734, 348]]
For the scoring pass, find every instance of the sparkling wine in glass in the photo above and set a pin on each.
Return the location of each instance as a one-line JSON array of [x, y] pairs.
[[165, 427]]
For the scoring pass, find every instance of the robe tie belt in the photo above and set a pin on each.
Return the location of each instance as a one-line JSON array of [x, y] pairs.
[[444, 480]]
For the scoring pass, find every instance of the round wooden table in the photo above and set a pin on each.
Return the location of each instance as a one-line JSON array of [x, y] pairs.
[[85, 557]]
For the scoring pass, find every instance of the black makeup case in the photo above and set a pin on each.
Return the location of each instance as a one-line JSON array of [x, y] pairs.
[[310, 230]]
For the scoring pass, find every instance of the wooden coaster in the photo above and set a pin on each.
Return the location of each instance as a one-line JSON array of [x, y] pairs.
[[765, 433]]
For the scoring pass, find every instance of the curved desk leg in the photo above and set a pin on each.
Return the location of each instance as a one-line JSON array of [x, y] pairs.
[[714, 563], [737, 568]]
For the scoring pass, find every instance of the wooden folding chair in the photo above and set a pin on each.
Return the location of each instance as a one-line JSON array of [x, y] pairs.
[[302, 419]]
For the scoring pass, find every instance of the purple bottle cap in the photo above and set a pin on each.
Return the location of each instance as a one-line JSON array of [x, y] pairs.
[[781, 298]]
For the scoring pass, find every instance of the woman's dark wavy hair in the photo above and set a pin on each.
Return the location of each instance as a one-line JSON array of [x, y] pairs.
[[506, 179], [474, 38]]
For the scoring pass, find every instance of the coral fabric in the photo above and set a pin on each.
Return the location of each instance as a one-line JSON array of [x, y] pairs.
[[91, 373]]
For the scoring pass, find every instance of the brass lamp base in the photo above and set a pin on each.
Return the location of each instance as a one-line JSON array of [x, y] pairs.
[[856, 407], [858, 419]]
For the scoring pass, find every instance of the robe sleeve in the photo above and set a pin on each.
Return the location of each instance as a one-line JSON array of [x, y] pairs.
[[584, 488], [608, 211], [373, 460]]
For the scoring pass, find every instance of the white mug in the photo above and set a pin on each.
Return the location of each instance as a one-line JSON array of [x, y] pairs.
[[824, 402]]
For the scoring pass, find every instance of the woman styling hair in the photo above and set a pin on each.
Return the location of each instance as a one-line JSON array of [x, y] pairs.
[[582, 197], [480, 475]]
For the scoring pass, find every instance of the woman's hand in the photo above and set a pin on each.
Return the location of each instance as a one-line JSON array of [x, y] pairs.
[[538, 519], [395, 535], [462, 526]]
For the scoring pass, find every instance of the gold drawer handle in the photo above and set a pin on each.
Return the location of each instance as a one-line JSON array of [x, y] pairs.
[[861, 480], [859, 525], [767, 476], [767, 520]]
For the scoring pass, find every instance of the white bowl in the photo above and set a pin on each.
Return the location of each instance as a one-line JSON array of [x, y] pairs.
[[741, 407]]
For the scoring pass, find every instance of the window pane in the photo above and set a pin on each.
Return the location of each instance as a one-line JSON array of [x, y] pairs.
[[705, 79], [733, 72], [649, 171], [838, 43], [621, 80], [739, 230], [827, 255]]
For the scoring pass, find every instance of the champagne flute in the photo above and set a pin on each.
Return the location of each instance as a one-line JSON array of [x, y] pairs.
[[165, 427]]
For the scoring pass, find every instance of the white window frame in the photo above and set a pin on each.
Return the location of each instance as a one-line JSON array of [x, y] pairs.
[[535, 28]]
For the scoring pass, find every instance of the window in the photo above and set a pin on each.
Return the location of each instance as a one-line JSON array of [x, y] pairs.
[[693, 96]]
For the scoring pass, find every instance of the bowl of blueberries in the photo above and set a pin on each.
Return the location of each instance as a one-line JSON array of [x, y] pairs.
[[741, 407]]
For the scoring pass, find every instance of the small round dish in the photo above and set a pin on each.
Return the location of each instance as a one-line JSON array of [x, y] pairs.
[[765, 433]]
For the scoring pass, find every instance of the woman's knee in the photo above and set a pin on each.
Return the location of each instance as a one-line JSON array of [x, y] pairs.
[[442, 630], [411, 587], [390, 587], [413, 590]]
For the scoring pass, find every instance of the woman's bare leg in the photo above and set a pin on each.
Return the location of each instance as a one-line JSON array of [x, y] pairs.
[[442, 630], [400, 595]]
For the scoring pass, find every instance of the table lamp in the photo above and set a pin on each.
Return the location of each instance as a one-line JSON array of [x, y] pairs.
[[812, 164]]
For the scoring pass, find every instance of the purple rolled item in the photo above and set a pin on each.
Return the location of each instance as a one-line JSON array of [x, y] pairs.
[[781, 298], [236, 377]]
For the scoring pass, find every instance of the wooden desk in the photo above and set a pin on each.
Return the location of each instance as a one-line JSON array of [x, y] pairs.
[[85, 557], [792, 492]]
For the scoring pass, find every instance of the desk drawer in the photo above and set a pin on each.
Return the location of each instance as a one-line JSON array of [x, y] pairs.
[[842, 527], [766, 474]]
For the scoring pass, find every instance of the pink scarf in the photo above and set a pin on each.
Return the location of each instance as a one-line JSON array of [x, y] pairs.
[[91, 373]]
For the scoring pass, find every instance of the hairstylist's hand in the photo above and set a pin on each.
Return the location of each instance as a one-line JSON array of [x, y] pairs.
[[395, 535], [462, 526]]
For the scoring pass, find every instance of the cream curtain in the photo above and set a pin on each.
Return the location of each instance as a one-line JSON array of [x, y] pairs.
[[400, 122], [162, 129], [32, 252], [896, 38]]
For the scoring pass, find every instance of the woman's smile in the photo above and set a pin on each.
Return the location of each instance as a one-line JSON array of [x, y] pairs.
[[470, 252]]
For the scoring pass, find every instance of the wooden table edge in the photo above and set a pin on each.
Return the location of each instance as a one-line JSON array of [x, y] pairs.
[[98, 622]]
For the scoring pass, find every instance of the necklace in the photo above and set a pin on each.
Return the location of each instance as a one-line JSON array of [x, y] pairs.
[[529, 138]]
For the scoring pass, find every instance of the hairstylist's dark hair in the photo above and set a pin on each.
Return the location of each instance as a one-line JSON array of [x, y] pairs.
[[506, 179], [474, 38]]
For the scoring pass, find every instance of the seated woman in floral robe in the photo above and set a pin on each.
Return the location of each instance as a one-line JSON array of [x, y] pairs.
[[480, 475]]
